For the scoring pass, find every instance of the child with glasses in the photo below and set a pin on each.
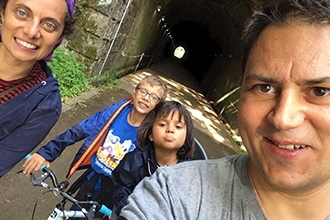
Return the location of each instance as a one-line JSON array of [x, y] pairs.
[[152, 96], [109, 135], [165, 138]]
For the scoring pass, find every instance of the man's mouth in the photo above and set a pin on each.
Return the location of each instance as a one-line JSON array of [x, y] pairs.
[[291, 146], [26, 44]]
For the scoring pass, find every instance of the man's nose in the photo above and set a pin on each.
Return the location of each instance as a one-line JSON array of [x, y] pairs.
[[288, 112]]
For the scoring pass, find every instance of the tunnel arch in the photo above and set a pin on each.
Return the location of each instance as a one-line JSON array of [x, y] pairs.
[[210, 31], [132, 36]]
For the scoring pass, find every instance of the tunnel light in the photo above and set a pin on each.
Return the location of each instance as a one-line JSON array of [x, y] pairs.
[[179, 52], [158, 8]]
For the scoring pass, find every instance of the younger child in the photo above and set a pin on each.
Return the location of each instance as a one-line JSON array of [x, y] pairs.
[[165, 138]]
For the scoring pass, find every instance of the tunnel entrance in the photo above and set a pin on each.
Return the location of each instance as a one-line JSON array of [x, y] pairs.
[[210, 32]]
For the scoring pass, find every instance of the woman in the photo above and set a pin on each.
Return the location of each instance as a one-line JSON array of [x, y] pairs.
[[30, 102]]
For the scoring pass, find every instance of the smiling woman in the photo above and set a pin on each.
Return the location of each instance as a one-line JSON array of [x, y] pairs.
[[30, 102]]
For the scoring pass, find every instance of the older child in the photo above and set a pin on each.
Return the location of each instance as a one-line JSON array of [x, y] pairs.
[[165, 138], [109, 134]]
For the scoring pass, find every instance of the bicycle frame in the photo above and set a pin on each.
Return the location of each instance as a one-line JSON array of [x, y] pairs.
[[58, 214]]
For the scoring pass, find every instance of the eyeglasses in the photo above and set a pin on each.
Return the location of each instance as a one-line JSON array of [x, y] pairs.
[[152, 96]]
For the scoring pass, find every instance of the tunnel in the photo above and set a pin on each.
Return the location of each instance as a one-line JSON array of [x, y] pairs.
[[210, 32], [137, 34]]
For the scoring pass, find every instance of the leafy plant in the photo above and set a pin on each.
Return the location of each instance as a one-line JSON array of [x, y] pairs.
[[69, 73], [106, 80]]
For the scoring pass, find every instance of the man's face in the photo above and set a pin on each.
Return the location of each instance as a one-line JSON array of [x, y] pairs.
[[284, 107]]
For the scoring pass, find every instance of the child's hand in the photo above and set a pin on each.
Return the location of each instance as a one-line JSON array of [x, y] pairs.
[[34, 163]]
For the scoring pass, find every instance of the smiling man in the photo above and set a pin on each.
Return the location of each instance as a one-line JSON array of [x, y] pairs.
[[284, 121]]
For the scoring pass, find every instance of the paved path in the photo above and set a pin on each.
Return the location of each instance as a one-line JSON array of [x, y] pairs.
[[18, 196]]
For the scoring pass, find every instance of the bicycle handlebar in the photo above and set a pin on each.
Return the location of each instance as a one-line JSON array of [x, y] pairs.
[[105, 210], [60, 187]]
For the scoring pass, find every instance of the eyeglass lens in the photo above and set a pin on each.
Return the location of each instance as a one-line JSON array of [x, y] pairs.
[[152, 96]]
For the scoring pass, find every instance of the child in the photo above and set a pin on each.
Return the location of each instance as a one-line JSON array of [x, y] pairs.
[[165, 138], [109, 134]]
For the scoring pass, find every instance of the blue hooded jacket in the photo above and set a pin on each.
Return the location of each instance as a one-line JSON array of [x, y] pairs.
[[89, 128], [26, 119], [131, 170]]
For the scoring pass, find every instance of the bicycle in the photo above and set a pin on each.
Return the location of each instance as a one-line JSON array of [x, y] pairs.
[[59, 212]]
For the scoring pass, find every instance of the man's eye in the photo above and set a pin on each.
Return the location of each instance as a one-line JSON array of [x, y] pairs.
[[319, 91], [265, 88]]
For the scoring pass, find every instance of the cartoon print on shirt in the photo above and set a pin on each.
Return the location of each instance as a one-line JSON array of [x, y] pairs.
[[112, 151]]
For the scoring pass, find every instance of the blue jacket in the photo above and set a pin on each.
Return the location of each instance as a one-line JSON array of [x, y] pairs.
[[26, 119], [88, 128], [131, 170]]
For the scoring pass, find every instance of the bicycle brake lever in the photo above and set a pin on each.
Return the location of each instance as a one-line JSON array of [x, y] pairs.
[[20, 171], [39, 181]]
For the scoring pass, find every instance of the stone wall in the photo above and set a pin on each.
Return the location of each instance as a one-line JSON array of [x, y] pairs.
[[113, 35]]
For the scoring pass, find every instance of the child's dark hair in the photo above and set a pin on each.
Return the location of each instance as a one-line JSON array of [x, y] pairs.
[[163, 109]]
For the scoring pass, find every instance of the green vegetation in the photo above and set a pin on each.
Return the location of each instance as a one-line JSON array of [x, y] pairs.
[[72, 77], [106, 80], [69, 73]]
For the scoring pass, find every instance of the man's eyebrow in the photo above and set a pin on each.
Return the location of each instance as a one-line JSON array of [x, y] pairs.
[[259, 77], [315, 81], [302, 82]]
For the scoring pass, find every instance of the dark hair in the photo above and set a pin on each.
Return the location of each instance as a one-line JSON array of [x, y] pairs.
[[154, 81], [69, 23], [163, 109], [281, 13], [69, 19]]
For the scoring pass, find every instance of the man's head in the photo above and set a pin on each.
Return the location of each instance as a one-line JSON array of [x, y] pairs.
[[307, 11], [284, 106]]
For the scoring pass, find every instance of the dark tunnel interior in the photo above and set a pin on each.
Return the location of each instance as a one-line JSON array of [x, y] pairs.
[[201, 49], [210, 32]]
